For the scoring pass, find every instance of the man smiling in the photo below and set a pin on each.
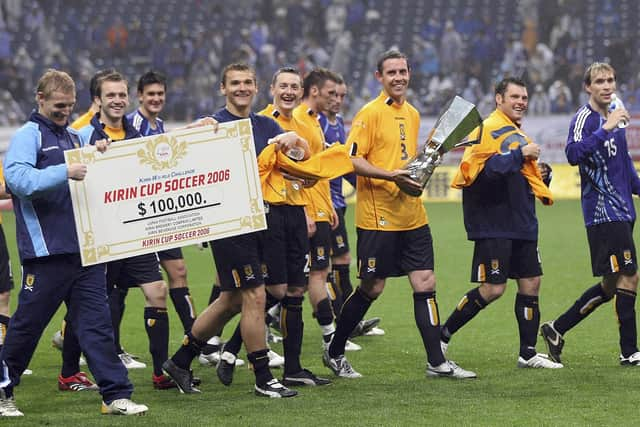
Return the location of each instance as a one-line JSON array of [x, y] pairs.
[[499, 177], [143, 270], [394, 238]]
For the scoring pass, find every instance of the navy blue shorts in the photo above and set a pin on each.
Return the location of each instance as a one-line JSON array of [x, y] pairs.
[[285, 246], [238, 261], [339, 237], [170, 254], [320, 247], [383, 254], [496, 260], [612, 249], [134, 271]]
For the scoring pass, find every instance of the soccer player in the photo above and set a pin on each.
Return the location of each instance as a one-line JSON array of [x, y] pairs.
[[394, 238], [84, 119], [36, 176], [332, 125], [152, 89], [142, 271], [71, 352], [500, 180], [238, 259], [319, 90], [286, 240], [598, 146]]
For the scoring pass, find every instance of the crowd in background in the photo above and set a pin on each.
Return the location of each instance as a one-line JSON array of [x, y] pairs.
[[457, 47]]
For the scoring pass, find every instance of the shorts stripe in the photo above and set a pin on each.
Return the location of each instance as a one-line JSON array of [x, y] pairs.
[[613, 261], [236, 277], [482, 276]]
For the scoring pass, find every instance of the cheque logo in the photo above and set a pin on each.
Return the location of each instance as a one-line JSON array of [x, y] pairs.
[[162, 152]]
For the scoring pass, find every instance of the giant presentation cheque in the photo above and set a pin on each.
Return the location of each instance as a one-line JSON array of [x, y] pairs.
[[164, 191]]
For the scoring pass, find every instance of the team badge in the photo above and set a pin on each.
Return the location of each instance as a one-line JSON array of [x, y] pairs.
[[371, 265], [265, 271], [340, 241], [151, 322], [382, 221], [248, 273], [495, 266], [185, 340], [627, 257], [29, 281], [403, 133], [320, 254]]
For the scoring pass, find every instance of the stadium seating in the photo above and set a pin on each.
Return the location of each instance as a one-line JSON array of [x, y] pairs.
[[172, 34]]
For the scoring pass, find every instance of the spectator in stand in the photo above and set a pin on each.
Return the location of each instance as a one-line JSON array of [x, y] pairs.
[[539, 104]]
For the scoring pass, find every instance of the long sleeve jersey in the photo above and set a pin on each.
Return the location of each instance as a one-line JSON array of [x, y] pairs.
[[608, 178]]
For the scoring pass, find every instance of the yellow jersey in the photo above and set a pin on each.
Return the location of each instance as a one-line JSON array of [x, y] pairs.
[[83, 120], [293, 191], [386, 135], [320, 207]]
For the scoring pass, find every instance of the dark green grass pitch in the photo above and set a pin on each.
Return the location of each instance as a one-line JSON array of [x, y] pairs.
[[592, 389]]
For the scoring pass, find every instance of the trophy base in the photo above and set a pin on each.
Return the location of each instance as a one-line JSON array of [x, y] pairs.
[[411, 191]]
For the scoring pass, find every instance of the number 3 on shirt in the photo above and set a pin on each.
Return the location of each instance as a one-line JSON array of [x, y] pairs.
[[403, 146], [610, 144], [404, 155]]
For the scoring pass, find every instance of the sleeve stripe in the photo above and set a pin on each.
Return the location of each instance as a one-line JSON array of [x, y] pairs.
[[581, 118]]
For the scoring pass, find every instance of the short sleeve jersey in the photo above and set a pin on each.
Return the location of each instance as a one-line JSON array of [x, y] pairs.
[[386, 135], [295, 194], [320, 206], [83, 120]]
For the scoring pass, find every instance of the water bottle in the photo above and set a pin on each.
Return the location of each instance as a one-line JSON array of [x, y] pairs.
[[616, 104]]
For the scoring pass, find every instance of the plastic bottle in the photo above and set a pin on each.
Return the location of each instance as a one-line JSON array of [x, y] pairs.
[[616, 104]]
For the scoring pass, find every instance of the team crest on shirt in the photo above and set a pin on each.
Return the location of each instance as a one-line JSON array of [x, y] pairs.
[[340, 241], [359, 123], [403, 133], [320, 256], [371, 265], [248, 273], [29, 281], [495, 266], [627, 257], [264, 270], [382, 221]]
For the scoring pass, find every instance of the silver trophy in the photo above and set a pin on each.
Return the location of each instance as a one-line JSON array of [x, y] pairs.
[[459, 118]]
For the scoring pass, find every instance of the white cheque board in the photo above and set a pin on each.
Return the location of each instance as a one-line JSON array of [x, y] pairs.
[[164, 191]]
